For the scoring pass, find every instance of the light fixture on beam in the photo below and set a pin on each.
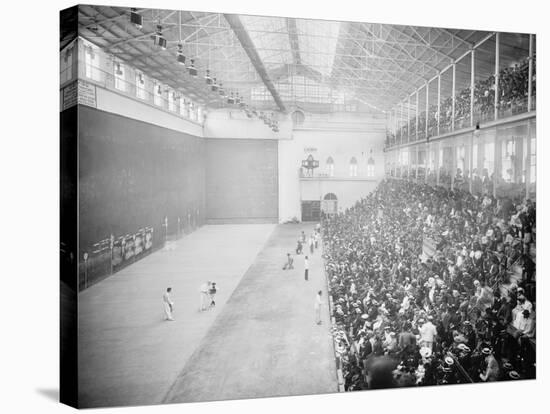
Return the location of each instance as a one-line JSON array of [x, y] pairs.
[[136, 18], [181, 57], [192, 69], [231, 99], [208, 78], [118, 70], [158, 39], [215, 86]]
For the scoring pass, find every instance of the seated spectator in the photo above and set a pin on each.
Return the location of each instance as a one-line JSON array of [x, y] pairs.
[[464, 299]]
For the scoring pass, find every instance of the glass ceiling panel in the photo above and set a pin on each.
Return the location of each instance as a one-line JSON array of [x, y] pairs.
[[270, 37], [317, 40]]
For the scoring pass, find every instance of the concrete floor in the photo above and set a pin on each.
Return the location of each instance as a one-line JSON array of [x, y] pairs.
[[260, 341]]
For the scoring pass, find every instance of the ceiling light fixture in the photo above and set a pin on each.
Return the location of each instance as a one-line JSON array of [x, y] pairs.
[[207, 77], [231, 99], [136, 18], [181, 57], [158, 39], [192, 69]]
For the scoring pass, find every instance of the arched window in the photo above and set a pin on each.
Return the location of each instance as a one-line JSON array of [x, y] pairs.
[[330, 196], [370, 166], [330, 167], [353, 167]]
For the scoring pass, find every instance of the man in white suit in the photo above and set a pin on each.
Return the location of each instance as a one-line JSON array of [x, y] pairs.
[[168, 304]]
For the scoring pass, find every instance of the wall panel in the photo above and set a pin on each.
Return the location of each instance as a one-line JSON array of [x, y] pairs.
[[132, 174], [241, 180]]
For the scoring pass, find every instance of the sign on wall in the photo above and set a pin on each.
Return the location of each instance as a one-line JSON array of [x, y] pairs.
[[69, 96], [86, 94], [79, 92]]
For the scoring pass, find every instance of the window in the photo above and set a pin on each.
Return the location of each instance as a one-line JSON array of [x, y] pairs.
[[353, 167], [460, 158], [91, 60], [199, 113], [120, 82], [158, 94], [183, 107], [192, 112], [172, 101], [370, 167], [489, 157], [140, 86], [67, 64], [330, 167]]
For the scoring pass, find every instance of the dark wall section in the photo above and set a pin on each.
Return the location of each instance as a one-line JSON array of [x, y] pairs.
[[133, 174], [68, 387], [241, 181]]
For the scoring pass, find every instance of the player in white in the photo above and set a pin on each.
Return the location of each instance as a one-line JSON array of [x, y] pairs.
[[318, 304], [168, 304]]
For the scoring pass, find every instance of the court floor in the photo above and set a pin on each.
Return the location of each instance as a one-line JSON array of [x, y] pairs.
[[259, 341]]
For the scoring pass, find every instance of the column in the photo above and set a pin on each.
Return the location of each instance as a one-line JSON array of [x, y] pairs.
[[472, 86], [418, 162], [528, 160], [427, 107], [497, 75], [471, 162], [453, 98], [426, 162], [530, 83], [409, 161], [409, 118], [416, 121], [453, 165], [497, 167], [401, 120], [438, 102], [437, 162]]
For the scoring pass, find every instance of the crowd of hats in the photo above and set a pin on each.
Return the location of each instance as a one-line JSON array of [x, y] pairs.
[[513, 90], [473, 289]]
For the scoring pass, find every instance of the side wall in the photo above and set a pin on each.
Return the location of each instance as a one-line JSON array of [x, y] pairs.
[[241, 181], [341, 137], [132, 174]]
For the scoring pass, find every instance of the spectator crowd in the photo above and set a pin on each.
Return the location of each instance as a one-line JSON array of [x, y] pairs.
[[513, 92], [431, 286]]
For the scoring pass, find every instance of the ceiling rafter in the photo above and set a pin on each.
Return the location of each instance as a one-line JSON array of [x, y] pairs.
[[241, 33]]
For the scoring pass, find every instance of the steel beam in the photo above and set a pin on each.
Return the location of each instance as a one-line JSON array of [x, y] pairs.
[[248, 46]]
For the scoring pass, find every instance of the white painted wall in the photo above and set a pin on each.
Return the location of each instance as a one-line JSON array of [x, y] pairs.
[[234, 123], [341, 136], [120, 104]]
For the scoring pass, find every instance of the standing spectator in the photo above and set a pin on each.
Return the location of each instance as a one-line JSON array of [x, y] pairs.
[[492, 372], [212, 294], [168, 304], [205, 287], [306, 268], [318, 304], [289, 262], [311, 243], [428, 332]]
